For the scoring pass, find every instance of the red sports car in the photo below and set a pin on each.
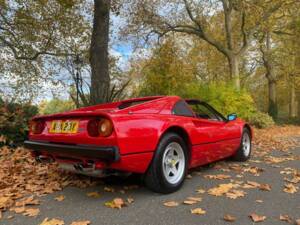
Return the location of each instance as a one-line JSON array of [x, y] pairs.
[[160, 137]]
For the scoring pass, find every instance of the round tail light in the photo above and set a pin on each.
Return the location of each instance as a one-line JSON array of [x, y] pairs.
[[92, 128], [37, 127], [105, 127], [102, 128]]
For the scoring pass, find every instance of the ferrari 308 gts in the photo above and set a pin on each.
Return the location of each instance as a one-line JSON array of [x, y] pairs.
[[160, 137]]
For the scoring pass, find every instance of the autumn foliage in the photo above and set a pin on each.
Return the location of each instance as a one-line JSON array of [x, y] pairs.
[[14, 119]]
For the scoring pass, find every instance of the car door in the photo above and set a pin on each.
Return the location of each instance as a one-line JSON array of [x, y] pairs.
[[214, 137]]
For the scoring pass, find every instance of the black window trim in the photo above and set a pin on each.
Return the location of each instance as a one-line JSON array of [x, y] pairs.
[[214, 111]]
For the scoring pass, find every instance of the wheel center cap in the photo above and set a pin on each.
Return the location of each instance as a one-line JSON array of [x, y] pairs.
[[173, 162]]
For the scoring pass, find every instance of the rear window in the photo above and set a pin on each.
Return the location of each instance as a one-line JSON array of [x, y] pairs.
[[181, 108], [125, 105]]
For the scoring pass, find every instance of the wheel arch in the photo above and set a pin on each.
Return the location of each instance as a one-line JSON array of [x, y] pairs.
[[182, 133], [247, 126]]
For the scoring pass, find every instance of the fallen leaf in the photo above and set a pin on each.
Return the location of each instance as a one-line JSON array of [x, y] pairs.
[[116, 203], [201, 191], [254, 170], [5, 202], [272, 159], [192, 200], [221, 189], [251, 184], [46, 221], [265, 187], [294, 180], [229, 218], [171, 204], [189, 176], [198, 211], [189, 202], [234, 194], [84, 222], [28, 201], [197, 199], [18, 209], [298, 222], [218, 176], [94, 194], [259, 201], [130, 200], [290, 188], [257, 218], [285, 218], [227, 190], [109, 189], [60, 198], [31, 212]]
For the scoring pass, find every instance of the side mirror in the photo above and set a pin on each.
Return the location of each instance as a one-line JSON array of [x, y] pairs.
[[231, 117]]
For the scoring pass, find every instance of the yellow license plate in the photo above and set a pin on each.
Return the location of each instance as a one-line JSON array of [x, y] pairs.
[[65, 127]]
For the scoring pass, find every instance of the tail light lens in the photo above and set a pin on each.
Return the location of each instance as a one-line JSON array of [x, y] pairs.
[[105, 127], [92, 128], [37, 127], [102, 128]]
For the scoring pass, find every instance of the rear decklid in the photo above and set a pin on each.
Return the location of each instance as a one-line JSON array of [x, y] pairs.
[[76, 123]]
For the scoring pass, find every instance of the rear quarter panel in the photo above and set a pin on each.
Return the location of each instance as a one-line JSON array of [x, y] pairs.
[[139, 133]]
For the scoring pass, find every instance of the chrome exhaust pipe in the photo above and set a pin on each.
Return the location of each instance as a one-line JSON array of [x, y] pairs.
[[84, 169]]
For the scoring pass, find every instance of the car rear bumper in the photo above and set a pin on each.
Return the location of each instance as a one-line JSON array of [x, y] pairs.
[[107, 153]]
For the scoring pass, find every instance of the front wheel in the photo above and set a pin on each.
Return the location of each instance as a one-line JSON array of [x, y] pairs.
[[169, 166], [244, 151]]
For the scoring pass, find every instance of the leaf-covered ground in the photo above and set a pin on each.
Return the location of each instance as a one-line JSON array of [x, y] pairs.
[[264, 190]]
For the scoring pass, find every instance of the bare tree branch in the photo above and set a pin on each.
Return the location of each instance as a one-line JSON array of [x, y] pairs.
[[202, 34]]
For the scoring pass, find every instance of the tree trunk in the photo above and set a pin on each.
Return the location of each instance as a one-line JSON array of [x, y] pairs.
[[271, 77], [293, 101], [272, 107], [100, 79], [234, 71]]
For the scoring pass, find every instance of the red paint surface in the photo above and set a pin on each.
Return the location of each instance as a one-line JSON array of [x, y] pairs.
[[138, 129]]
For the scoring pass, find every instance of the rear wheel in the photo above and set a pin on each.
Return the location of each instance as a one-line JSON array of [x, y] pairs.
[[169, 166], [244, 151]]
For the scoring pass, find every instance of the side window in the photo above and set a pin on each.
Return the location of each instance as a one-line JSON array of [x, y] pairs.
[[203, 112], [182, 109]]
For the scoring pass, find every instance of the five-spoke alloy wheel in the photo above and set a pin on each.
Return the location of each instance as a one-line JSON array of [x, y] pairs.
[[169, 165], [173, 163]]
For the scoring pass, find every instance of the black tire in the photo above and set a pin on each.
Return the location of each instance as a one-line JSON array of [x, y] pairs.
[[240, 154], [154, 177]]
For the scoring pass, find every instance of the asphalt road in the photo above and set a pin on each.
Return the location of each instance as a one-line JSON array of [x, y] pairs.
[[148, 207]]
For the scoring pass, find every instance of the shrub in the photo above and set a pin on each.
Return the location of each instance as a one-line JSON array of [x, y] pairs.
[[14, 119], [260, 120], [226, 99]]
